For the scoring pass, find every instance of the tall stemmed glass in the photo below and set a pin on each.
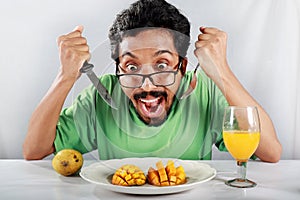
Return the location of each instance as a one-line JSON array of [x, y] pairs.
[[241, 134]]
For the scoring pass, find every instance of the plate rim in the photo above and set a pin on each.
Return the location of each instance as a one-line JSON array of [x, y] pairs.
[[149, 189]]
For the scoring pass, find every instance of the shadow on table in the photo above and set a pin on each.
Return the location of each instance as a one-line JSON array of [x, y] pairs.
[[102, 193]]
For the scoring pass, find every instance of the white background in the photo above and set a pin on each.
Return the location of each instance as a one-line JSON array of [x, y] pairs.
[[263, 51]]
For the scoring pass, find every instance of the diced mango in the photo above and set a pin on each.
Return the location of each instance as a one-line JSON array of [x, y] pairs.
[[166, 176], [129, 175]]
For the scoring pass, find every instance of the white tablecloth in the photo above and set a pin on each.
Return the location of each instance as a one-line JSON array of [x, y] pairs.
[[22, 179]]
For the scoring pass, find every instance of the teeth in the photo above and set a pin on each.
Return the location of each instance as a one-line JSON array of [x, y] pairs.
[[149, 100]]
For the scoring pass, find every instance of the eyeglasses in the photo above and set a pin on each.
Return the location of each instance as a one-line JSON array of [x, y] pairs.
[[161, 78]]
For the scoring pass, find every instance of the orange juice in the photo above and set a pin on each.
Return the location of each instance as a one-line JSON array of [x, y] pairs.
[[241, 144]]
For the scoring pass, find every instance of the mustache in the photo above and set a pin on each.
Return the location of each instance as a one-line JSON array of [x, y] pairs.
[[151, 93]]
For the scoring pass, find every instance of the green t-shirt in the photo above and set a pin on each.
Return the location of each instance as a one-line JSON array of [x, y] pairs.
[[193, 125]]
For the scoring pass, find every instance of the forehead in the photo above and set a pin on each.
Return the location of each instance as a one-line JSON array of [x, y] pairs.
[[155, 39]]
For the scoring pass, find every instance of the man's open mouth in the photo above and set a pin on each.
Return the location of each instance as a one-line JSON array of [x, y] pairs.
[[151, 105]]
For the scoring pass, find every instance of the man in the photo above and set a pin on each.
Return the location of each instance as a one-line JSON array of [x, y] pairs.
[[149, 43]]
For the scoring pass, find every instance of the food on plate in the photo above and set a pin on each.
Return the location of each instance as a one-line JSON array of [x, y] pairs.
[[129, 175], [166, 176], [67, 162]]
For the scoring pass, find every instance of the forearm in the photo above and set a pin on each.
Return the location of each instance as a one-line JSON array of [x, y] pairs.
[[269, 148], [42, 125], [211, 53]]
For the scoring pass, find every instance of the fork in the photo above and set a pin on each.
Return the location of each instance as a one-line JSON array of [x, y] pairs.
[[192, 85]]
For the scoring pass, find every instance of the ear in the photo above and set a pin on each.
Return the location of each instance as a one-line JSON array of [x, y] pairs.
[[184, 65]]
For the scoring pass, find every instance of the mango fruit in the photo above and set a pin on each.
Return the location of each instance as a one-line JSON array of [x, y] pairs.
[[67, 162]]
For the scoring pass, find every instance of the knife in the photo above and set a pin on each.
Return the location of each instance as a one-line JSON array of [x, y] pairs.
[[87, 68]]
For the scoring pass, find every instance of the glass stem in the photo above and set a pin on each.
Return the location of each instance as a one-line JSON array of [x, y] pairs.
[[242, 168]]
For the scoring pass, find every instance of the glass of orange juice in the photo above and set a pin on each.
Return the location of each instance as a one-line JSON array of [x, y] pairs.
[[241, 135]]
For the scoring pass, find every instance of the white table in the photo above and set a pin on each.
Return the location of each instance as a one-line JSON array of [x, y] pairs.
[[22, 179]]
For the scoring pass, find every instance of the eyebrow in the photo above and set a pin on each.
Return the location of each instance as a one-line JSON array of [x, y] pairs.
[[163, 52], [159, 52], [127, 53]]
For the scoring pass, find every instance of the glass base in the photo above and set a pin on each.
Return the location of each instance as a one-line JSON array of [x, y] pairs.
[[241, 183]]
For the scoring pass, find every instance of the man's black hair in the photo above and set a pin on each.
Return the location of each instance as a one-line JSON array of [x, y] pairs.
[[150, 13]]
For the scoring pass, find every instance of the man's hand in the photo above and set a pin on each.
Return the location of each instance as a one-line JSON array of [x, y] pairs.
[[73, 51], [211, 52]]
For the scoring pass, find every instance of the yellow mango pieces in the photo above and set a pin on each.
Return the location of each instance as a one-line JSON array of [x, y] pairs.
[[166, 176], [129, 175]]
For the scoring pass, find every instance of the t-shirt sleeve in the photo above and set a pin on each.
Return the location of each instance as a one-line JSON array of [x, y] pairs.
[[218, 104], [75, 127]]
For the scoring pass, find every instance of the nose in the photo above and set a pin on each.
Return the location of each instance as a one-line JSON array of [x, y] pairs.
[[148, 85]]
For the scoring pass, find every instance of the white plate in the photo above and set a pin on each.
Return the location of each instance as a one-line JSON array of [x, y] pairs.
[[101, 172]]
